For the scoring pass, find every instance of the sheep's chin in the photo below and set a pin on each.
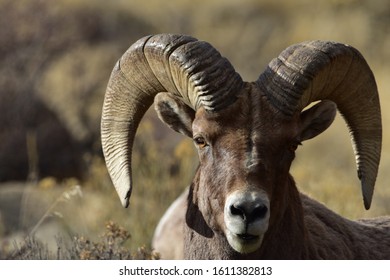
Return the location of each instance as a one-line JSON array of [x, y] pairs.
[[243, 246]]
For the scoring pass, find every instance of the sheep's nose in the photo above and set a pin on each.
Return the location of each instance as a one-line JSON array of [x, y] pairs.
[[246, 207], [246, 217], [248, 211]]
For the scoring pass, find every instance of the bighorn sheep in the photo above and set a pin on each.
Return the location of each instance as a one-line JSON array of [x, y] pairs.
[[243, 203]]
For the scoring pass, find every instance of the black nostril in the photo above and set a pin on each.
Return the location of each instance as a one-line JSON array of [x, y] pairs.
[[249, 214], [237, 211], [259, 212]]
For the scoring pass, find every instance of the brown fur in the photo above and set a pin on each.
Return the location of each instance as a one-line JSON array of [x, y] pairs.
[[243, 203], [312, 232], [242, 156]]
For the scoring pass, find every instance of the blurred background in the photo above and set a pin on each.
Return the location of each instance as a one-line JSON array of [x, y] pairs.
[[55, 61]]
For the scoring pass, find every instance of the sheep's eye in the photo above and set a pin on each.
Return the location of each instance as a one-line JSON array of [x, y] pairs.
[[200, 142]]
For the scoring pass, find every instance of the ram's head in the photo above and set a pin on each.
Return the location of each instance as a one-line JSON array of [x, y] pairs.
[[246, 133]]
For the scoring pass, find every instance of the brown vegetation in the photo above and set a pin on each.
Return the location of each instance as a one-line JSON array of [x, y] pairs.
[[55, 60]]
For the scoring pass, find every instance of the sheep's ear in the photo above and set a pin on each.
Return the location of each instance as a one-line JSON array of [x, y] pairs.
[[174, 112], [317, 119]]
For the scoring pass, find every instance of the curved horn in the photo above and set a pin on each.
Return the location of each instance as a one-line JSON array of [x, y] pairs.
[[192, 70], [317, 70]]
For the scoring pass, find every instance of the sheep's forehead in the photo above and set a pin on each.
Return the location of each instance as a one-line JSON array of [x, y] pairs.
[[247, 140], [250, 118]]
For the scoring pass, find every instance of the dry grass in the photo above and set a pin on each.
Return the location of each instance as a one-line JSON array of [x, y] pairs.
[[249, 33], [110, 246]]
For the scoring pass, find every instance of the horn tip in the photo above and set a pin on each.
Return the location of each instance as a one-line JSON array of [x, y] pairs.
[[367, 203], [126, 200], [367, 191]]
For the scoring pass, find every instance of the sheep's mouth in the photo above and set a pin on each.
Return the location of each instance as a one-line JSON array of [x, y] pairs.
[[247, 237], [244, 243]]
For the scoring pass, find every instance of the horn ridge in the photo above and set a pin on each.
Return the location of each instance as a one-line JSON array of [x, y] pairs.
[[319, 70], [209, 75], [190, 69]]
